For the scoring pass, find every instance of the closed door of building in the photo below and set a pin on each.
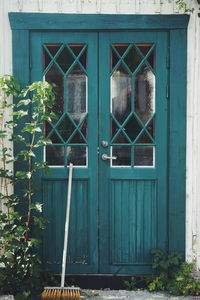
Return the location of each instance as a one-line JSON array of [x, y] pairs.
[[112, 114]]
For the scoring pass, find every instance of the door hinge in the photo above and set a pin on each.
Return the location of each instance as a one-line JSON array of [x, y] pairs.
[[30, 63], [167, 61], [167, 91]]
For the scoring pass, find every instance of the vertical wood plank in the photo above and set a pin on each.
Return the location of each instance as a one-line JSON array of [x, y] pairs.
[[60, 5], [98, 6], [40, 5], [78, 6], [161, 133], [5, 37], [192, 144], [177, 151], [157, 6], [2, 30], [193, 206], [6, 65], [118, 6], [137, 6], [197, 93], [1, 73], [175, 7], [21, 55], [20, 5]]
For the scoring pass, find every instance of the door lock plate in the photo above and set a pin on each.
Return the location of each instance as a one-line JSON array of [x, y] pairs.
[[104, 144]]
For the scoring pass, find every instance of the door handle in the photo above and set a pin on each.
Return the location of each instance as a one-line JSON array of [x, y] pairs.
[[106, 157]]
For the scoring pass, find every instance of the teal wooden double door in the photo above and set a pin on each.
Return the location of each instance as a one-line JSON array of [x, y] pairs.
[[112, 125]]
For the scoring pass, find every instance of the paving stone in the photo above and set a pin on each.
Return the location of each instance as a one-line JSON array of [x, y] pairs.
[[131, 295]]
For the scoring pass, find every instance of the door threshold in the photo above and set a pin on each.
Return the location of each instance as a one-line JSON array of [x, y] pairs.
[[98, 281], [100, 274]]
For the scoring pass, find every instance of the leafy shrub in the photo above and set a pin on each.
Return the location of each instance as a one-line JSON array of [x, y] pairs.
[[174, 275], [21, 221]]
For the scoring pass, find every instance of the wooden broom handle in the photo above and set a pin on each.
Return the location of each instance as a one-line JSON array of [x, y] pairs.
[[66, 225]]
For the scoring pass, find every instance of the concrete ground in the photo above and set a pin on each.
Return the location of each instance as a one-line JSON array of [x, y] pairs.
[[130, 295], [122, 295]]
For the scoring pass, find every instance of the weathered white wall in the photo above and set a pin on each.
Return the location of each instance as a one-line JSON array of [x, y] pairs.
[[193, 86]]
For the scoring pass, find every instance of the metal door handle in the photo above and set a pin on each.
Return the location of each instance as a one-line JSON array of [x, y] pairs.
[[106, 157]]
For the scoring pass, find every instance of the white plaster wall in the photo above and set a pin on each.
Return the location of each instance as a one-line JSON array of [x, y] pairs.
[[193, 85]]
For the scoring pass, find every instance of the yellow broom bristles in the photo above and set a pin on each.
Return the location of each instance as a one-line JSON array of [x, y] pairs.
[[61, 294]]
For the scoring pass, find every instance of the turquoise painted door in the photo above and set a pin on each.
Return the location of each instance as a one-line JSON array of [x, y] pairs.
[[112, 125], [70, 61], [133, 119]]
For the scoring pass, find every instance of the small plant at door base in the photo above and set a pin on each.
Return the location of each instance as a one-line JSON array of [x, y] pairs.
[[131, 285], [174, 274], [21, 223]]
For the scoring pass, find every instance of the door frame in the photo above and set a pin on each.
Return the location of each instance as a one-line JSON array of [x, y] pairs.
[[176, 26]]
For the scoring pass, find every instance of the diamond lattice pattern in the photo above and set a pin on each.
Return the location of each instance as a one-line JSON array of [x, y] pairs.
[[66, 66], [133, 94]]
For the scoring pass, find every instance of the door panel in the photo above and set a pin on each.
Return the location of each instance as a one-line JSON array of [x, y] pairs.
[[133, 120], [111, 101], [132, 226], [70, 61]]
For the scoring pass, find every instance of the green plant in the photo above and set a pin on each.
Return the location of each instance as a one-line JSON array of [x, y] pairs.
[[130, 285], [21, 222], [174, 275], [137, 282], [182, 5]]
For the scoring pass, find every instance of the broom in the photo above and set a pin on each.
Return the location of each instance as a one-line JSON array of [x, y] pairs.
[[62, 292]]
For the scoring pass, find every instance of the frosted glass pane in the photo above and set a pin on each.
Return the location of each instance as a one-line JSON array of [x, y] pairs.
[[123, 154], [144, 156], [55, 155], [54, 76], [76, 93], [145, 93], [121, 94], [77, 155]]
